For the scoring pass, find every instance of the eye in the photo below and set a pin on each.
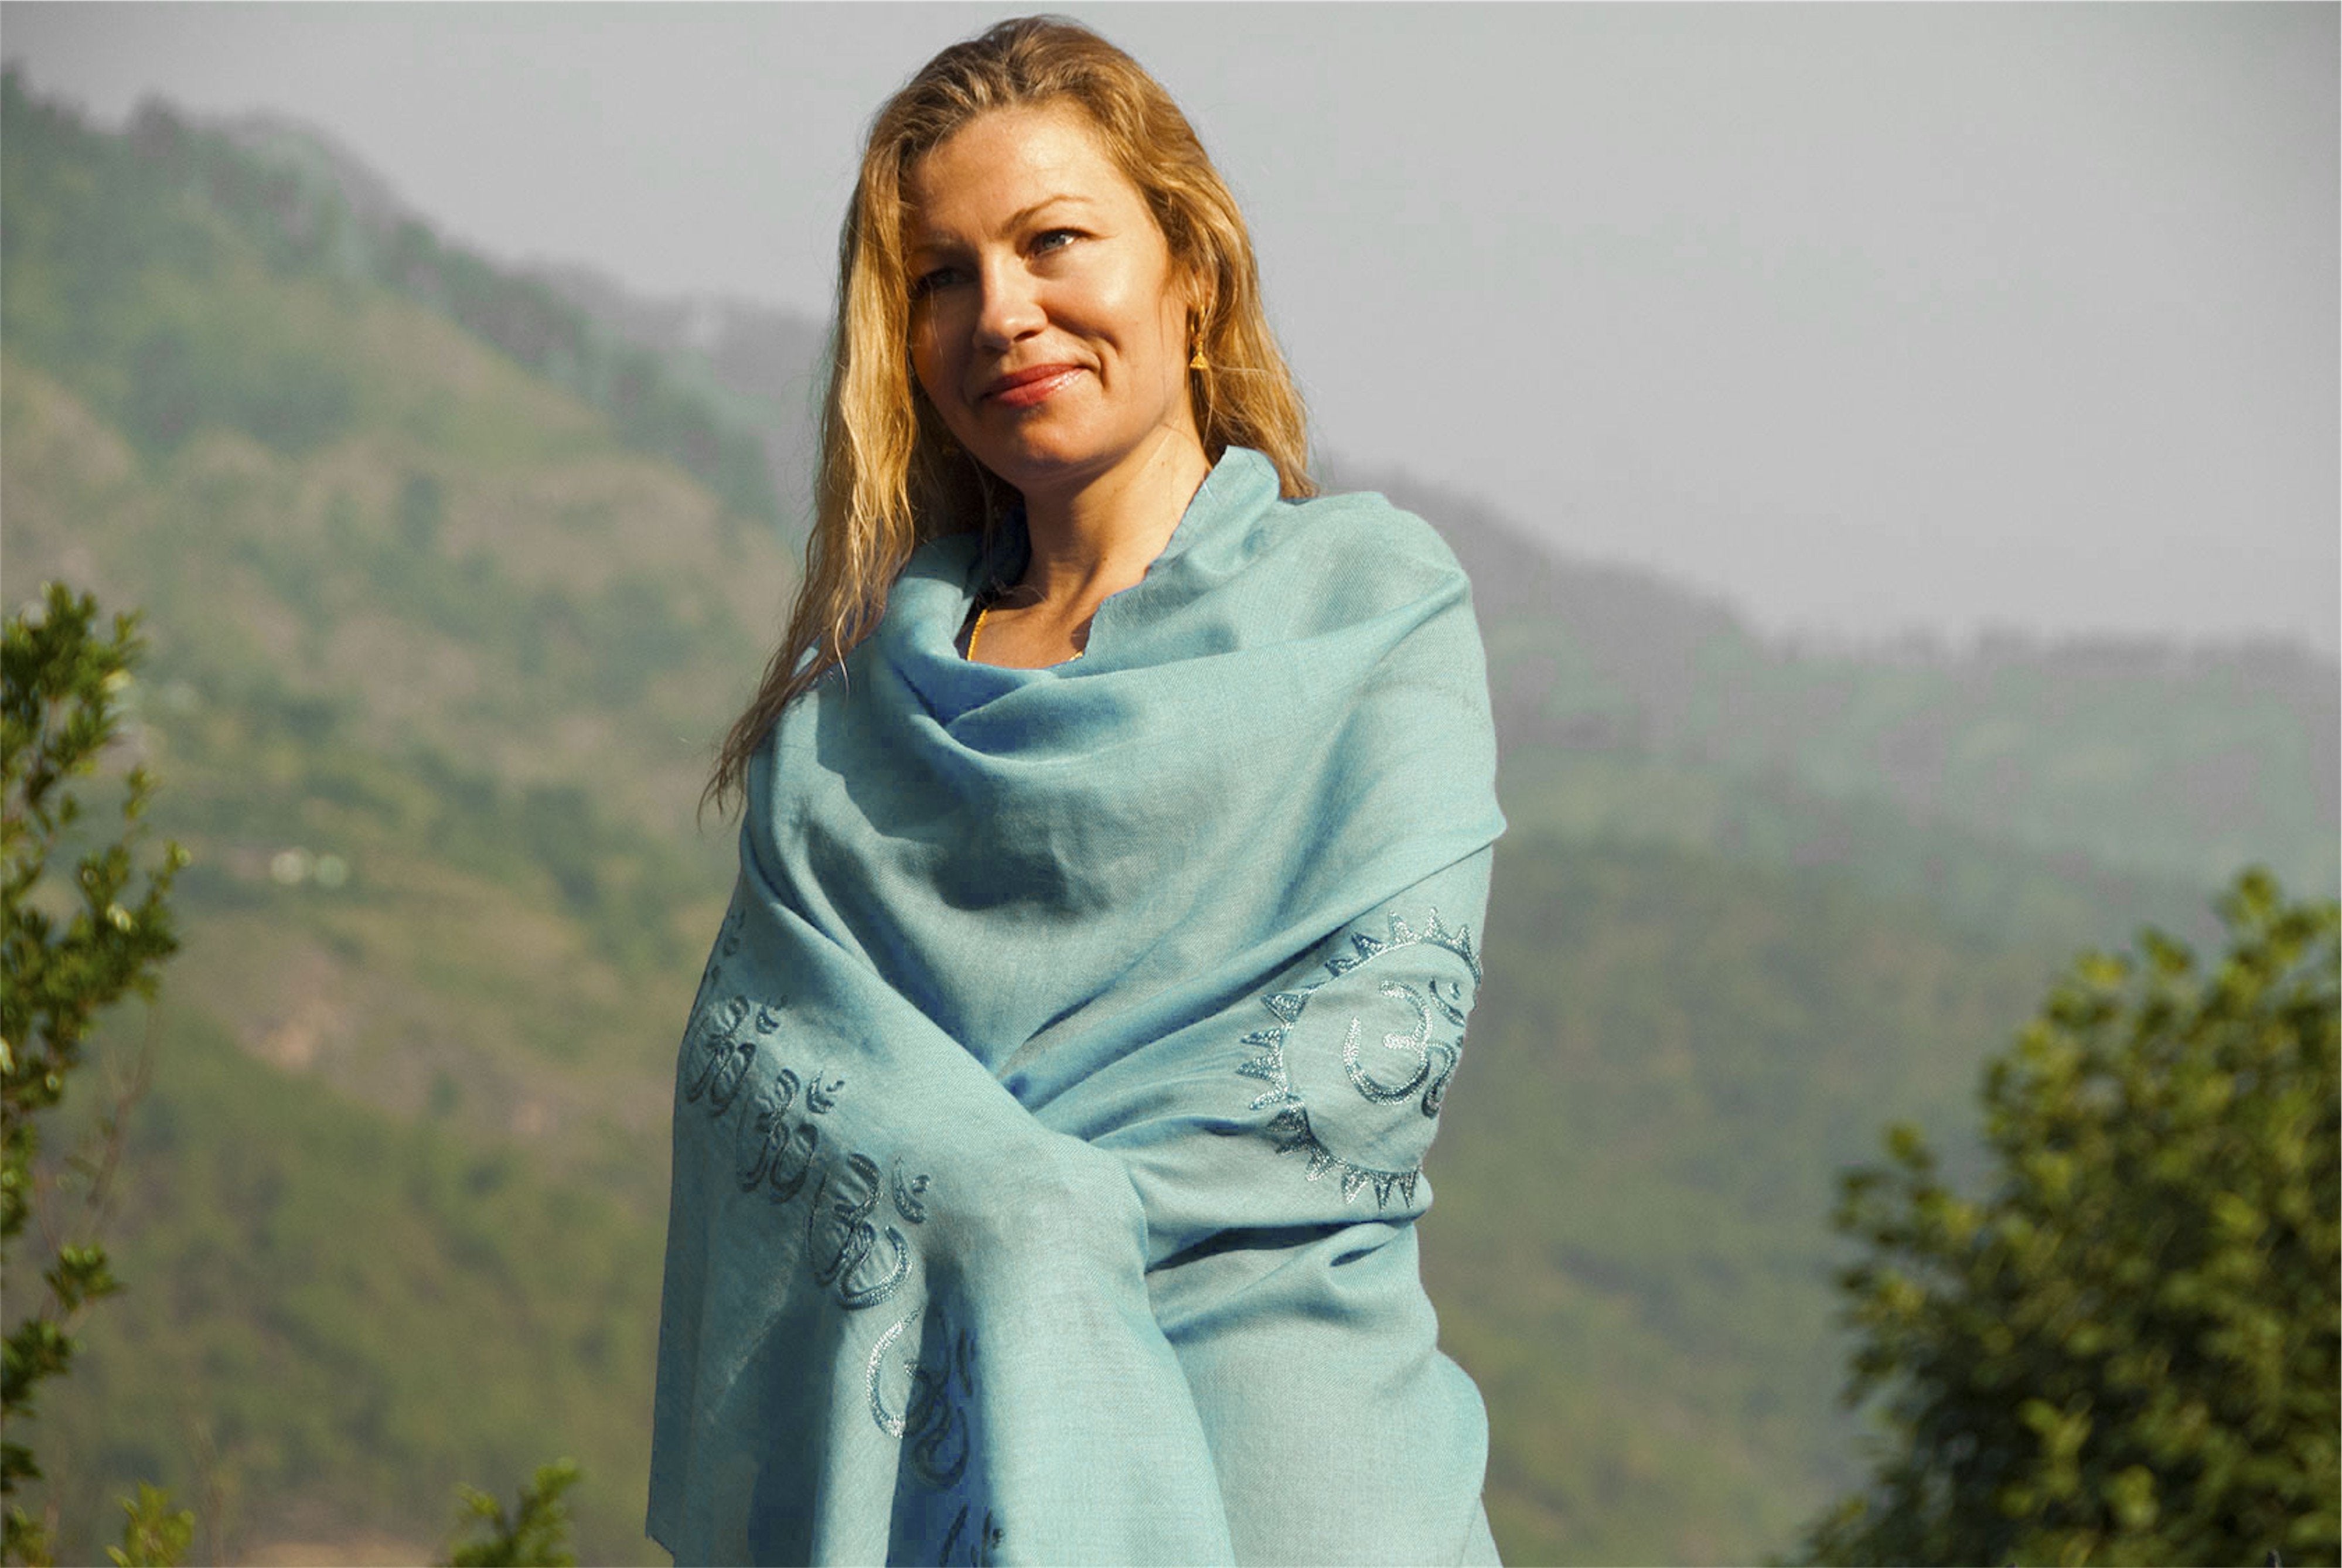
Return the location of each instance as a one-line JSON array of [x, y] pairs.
[[1049, 240], [927, 281]]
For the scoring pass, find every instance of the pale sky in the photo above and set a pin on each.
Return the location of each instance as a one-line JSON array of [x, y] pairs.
[[1859, 317]]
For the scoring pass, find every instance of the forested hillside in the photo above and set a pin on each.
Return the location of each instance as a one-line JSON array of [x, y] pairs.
[[435, 665], [452, 576]]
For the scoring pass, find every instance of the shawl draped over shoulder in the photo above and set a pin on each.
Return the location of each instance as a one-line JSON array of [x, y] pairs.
[[1049, 1123]]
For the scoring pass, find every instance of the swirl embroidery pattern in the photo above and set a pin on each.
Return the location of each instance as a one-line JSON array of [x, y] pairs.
[[852, 1254], [932, 1424], [777, 1146], [1433, 1060]]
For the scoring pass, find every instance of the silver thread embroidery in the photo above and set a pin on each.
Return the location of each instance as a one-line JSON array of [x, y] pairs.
[[770, 1148], [849, 1220], [934, 1424], [888, 1422], [1289, 1129], [907, 1196], [1418, 1042]]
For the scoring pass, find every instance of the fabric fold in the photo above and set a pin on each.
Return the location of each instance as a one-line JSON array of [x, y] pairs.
[[1050, 1120]]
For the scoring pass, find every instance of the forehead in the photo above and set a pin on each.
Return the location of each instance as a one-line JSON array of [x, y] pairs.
[[999, 167]]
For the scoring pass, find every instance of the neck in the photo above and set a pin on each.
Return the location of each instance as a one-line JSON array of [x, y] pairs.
[[1098, 539]]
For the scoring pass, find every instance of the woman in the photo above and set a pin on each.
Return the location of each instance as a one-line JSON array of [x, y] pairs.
[[1049, 1123]]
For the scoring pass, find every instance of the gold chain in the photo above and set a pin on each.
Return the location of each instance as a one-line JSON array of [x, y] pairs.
[[977, 630]]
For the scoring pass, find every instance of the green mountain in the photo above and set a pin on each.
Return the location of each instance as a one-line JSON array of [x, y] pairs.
[[433, 683], [445, 619]]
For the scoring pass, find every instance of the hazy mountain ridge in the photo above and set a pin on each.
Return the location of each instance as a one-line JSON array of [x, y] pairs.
[[753, 365], [398, 1193], [168, 185], [758, 366]]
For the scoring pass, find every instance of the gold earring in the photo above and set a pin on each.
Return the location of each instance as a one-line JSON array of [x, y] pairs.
[[1197, 361]]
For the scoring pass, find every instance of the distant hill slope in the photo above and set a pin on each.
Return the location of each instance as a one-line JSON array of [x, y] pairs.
[[760, 366], [439, 641], [93, 213], [439, 652]]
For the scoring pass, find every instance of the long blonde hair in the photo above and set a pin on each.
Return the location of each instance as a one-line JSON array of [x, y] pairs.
[[888, 479]]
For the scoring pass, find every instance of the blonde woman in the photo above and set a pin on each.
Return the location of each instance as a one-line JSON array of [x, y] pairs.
[[1049, 1123]]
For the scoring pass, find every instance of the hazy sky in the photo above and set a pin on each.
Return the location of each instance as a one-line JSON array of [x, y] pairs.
[[1862, 317]]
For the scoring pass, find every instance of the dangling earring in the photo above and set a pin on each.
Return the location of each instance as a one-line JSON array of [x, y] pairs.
[[1196, 360]]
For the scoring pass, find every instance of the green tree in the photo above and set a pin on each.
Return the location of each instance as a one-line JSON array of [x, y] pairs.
[[155, 1534], [71, 951], [2126, 1350], [535, 1534]]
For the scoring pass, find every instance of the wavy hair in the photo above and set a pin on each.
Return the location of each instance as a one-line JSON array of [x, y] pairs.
[[889, 477]]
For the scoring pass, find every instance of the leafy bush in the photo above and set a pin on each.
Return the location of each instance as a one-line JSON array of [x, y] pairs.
[[60, 714], [2126, 1350]]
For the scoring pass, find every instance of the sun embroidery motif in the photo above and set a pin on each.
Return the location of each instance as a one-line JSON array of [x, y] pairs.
[[1433, 1065]]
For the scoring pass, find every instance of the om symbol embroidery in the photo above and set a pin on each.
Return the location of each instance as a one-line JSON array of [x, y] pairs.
[[770, 1147], [840, 1238], [718, 1057], [1426, 1051], [924, 1401], [933, 1422], [850, 1254], [1432, 1059], [776, 1145]]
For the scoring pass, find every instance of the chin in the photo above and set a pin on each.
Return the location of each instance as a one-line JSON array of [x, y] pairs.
[[1050, 463]]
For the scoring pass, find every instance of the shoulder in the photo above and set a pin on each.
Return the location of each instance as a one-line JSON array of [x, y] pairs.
[[1366, 524], [1358, 554], [1239, 518]]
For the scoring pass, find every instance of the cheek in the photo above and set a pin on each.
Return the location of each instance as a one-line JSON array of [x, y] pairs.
[[1175, 326], [1146, 328], [1124, 302], [927, 365]]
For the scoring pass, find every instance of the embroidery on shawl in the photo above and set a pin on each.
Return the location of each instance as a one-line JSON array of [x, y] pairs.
[[923, 1401], [1434, 1061], [840, 1238], [932, 1422], [776, 1145], [729, 1061], [727, 943], [977, 1539]]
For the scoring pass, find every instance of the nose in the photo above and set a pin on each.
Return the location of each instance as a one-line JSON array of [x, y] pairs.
[[1011, 307]]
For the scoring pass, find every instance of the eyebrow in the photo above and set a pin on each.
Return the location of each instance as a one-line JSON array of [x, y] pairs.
[[1025, 214]]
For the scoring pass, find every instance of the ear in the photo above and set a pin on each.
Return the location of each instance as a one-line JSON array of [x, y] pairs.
[[1197, 296]]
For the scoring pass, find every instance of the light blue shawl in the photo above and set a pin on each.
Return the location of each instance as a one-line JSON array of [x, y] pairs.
[[1049, 1125]]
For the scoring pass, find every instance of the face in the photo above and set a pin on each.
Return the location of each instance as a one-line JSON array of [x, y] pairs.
[[1048, 325]]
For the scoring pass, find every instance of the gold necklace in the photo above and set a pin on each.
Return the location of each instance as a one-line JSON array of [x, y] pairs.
[[977, 630]]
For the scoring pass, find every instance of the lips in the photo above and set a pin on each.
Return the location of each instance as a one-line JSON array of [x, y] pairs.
[[1034, 384]]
